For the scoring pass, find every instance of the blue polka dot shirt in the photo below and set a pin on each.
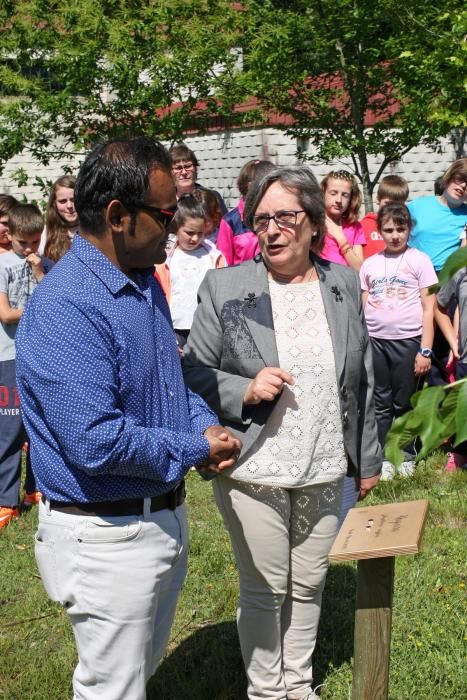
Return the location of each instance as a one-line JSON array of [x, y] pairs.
[[102, 394]]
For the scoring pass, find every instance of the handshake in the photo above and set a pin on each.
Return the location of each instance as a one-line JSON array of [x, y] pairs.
[[224, 451]]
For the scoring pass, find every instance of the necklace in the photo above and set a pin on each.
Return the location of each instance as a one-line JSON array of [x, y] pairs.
[[391, 288]]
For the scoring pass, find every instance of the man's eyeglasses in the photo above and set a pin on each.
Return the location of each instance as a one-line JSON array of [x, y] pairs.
[[283, 219], [163, 216], [179, 167]]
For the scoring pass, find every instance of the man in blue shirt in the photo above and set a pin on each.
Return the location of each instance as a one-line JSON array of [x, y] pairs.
[[112, 427]]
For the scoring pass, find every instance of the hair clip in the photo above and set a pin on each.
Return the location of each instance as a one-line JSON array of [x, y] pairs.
[[341, 175]]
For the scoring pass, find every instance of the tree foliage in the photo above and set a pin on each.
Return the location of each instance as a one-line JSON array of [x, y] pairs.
[[398, 65], [80, 70], [439, 413]]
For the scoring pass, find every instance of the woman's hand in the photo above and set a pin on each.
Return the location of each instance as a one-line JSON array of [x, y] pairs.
[[267, 384], [364, 486]]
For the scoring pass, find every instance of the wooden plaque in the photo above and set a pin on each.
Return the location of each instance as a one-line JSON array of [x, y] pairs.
[[380, 531]]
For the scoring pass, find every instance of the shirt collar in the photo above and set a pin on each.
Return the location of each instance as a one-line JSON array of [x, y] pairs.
[[113, 278]]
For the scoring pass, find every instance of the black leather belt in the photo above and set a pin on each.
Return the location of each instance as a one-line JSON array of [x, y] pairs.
[[128, 506]]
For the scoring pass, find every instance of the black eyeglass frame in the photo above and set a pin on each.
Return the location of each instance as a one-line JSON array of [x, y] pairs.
[[459, 178], [279, 224], [163, 216]]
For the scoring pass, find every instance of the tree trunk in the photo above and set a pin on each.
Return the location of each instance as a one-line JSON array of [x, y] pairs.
[[367, 185]]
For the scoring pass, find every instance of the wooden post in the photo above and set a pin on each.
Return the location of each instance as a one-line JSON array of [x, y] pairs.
[[372, 640], [374, 536]]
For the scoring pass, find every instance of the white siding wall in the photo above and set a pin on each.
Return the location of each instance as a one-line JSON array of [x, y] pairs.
[[222, 154]]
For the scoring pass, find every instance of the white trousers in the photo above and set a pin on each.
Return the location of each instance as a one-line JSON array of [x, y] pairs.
[[119, 579], [281, 539]]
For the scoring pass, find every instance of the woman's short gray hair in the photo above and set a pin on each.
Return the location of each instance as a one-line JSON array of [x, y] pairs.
[[300, 180]]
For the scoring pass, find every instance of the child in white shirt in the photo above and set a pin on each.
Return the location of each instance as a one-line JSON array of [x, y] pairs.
[[188, 260]]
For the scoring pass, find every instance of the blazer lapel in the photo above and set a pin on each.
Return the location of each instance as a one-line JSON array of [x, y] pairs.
[[337, 314], [258, 314]]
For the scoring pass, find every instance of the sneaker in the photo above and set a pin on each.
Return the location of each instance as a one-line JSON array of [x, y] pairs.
[[388, 471], [31, 499], [7, 515], [407, 468]]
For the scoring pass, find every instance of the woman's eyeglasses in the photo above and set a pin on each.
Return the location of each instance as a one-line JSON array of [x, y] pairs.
[[460, 179], [179, 167], [283, 219]]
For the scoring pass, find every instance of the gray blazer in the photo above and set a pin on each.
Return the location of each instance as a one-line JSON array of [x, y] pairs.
[[232, 339]]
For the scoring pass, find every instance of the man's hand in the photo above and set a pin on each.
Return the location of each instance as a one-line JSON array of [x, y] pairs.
[[36, 266], [267, 384], [364, 486], [224, 449]]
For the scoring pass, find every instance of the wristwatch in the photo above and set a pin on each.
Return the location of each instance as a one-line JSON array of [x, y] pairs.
[[426, 352]]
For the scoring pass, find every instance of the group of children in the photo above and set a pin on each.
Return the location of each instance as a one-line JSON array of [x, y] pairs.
[[395, 279]]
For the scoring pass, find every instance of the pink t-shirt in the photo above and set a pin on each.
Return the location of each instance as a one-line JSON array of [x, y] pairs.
[[355, 236], [393, 282]]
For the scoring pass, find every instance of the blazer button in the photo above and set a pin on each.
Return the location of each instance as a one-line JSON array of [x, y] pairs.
[[345, 419], [344, 392]]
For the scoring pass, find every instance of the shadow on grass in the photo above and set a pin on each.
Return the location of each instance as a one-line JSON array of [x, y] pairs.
[[336, 627], [208, 665], [205, 666]]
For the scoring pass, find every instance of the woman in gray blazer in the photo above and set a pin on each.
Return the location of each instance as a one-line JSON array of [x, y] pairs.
[[279, 349]]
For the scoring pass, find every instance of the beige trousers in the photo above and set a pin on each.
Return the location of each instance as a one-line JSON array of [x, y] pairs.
[[281, 539]]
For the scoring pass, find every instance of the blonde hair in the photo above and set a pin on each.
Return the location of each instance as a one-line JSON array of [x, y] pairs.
[[58, 241], [351, 215]]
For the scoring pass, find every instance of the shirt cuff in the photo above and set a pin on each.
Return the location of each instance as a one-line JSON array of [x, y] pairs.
[[198, 450]]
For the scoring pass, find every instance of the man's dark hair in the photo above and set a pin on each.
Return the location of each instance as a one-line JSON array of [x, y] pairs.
[[25, 220], [116, 170]]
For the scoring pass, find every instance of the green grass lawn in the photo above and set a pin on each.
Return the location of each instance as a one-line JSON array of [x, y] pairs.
[[203, 661]]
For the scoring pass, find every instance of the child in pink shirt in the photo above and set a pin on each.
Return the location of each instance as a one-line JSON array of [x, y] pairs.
[[399, 313], [344, 235], [235, 240]]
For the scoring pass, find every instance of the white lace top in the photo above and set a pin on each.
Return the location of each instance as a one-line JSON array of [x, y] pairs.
[[302, 441]]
